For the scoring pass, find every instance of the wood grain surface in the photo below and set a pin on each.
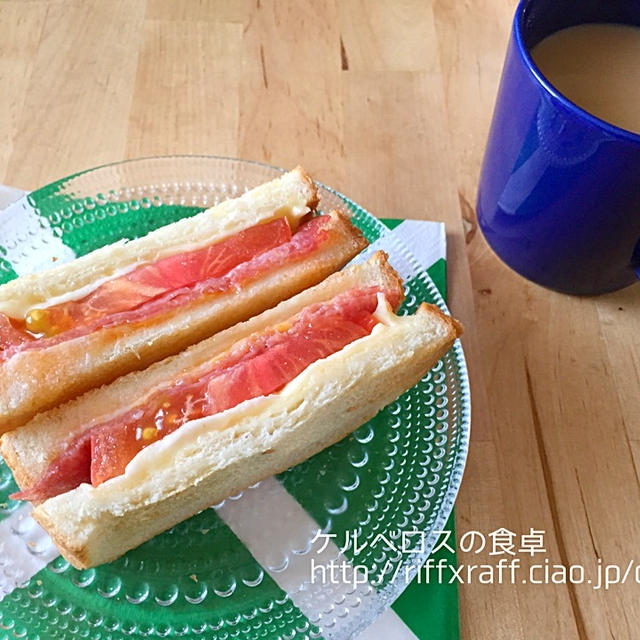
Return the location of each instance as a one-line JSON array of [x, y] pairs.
[[389, 102]]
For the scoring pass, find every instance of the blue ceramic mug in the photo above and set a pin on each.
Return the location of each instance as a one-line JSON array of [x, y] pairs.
[[559, 193]]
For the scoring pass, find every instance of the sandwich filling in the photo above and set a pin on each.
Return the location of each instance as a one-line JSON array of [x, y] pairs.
[[259, 365], [174, 281]]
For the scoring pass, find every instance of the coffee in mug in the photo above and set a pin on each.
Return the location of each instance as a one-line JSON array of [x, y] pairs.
[[597, 67]]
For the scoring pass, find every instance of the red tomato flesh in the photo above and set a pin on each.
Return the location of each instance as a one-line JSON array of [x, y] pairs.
[[10, 335], [149, 281], [267, 246], [257, 366]]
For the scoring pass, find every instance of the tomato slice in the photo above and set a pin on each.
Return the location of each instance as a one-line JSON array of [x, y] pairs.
[[309, 236], [71, 468], [10, 336], [257, 366], [152, 280]]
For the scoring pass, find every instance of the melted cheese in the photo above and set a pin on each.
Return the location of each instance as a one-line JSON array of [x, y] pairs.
[[18, 309], [160, 452], [82, 292], [384, 312]]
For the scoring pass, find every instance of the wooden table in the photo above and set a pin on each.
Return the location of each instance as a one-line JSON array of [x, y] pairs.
[[390, 103]]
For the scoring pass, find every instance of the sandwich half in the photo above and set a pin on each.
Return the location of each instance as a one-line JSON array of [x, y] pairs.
[[124, 306], [120, 464]]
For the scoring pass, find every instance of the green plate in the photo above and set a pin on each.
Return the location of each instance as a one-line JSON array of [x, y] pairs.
[[399, 472]]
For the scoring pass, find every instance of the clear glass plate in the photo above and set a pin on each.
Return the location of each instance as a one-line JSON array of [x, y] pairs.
[[399, 472]]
